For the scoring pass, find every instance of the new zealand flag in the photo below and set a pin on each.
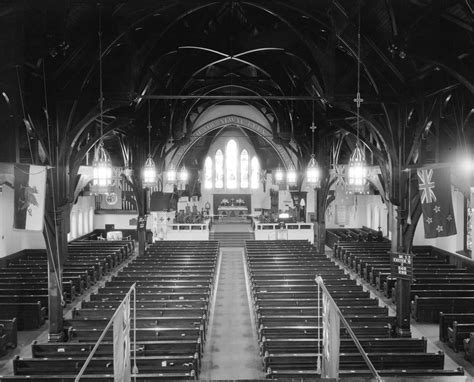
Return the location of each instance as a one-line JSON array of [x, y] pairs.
[[436, 202]]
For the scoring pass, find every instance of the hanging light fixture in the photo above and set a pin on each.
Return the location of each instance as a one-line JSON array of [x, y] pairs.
[[291, 176], [149, 170], [357, 169], [102, 164], [171, 175], [313, 171], [183, 175], [279, 175]]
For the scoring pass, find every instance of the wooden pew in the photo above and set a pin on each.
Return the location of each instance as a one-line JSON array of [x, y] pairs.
[[458, 332], [373, 345], [446, 320], [28, 315], [426, 309], [144, 348], [10, 327], [354, 361], [103, 365], [469, 348]]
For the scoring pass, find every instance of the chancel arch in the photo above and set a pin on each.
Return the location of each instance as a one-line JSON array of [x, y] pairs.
[[285, 153]]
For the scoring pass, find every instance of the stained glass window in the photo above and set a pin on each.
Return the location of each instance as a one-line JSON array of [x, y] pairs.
[[255, 173], [231, 164], [244, 169], [208, 173], [219, 180]]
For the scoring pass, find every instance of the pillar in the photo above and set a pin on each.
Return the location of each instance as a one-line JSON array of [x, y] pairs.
[[394, 226]]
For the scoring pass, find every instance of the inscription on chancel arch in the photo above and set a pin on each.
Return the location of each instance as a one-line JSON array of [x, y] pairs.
[[175, 156]]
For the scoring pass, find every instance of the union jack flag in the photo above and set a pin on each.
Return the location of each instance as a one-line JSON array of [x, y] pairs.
[[425, 185]]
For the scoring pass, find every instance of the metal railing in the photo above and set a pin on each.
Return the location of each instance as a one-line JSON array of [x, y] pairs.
[[319, 280], [107, 327]]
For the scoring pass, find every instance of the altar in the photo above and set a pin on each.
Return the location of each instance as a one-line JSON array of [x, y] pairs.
[[232, 210]]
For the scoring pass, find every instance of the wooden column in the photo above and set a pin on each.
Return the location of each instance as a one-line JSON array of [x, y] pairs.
[[403, 307], [55, 233], [401, 267], [394, 227], [320, 224], [141, 233]]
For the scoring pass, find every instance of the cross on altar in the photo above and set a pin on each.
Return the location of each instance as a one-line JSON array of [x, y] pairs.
[[358, 100]]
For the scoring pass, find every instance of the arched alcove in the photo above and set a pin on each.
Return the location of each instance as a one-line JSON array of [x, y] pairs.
[[376, 218], [73, 222], [80, 227], [91, 219]]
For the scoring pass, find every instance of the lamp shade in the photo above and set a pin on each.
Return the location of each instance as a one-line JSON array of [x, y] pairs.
[[183, 175], [101, 171], [291, 176], [357, 171], [279, 175], [149, 173], [171, 175], [313, 172]]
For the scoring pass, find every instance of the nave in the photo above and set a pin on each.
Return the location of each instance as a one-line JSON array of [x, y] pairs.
[[263, 316]]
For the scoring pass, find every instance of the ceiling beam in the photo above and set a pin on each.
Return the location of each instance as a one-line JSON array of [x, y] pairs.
[[337, 98]]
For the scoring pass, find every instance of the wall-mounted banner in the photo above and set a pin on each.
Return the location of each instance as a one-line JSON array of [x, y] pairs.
[[30, 191]]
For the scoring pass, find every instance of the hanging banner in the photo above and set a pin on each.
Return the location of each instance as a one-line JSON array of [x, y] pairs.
[[436, 202], [121, 327], [331, 338], [30, 191]]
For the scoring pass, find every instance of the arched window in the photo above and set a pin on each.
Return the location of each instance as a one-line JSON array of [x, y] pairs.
[[73, 221], [219, 182], [244, 169], [80, 227], [376, 218], [208, 173], [255, 173], [85, 222], [91, 219], [231, 164]]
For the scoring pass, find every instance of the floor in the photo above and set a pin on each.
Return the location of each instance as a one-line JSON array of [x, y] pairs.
[[231, 351]]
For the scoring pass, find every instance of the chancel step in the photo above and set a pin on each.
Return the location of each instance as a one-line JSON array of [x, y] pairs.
[[232, 239]]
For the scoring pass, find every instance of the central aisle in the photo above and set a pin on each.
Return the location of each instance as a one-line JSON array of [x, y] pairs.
[[231, 350]]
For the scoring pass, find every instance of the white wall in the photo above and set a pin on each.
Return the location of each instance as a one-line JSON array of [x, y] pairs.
[[121, 221], [80, 217], [451, 243], [360, 210], [11, 240]]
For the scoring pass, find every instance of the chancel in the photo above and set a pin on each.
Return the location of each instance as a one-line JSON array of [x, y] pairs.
[[237, 190]]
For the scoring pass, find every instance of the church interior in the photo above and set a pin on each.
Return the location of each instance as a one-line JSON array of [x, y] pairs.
[[224, 190]]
